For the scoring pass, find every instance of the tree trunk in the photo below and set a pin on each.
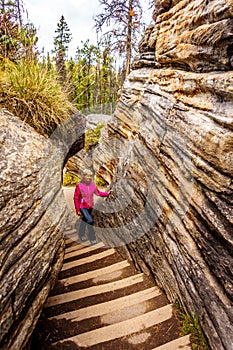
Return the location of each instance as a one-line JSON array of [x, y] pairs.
[[129, 39]]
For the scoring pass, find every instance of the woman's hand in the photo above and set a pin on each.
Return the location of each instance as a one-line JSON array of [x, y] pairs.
[[79, 213]]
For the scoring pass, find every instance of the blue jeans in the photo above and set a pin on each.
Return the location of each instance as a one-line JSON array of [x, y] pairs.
[[87, 221]]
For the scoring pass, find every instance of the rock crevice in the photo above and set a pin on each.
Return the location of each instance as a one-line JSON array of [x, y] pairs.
[[172, 138]]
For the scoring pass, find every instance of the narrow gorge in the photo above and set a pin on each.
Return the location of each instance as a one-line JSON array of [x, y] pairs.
[[168, 156]]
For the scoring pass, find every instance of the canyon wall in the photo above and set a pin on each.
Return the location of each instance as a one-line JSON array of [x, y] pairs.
[[33, 219], [169, 153]]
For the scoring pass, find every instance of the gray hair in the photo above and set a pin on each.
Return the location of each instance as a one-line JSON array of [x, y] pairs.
[[87, 172]]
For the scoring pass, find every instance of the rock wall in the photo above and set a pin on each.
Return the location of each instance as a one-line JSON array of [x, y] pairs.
[[171, 146], [33, 214], [83, 160]]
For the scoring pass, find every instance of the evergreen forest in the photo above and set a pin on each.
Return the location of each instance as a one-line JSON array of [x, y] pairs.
[[43, 89]]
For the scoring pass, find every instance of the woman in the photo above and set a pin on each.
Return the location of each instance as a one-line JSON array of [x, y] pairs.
[[84, 202]]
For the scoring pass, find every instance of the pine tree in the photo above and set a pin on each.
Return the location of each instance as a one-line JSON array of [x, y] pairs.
[[124, 18], [94, 79], [64, 37], [14, 7], [17, 40], [61, 45], [87, 57]]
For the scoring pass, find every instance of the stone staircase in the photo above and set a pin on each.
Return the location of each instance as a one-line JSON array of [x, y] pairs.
[[101, 302]]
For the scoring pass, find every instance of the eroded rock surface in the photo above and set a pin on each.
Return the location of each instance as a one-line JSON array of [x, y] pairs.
[[171, 143], [33, 214], [84, 159]]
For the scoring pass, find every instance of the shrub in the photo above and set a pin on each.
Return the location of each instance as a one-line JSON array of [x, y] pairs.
[[32, 92], [190, 325], [99, 181], [92, 136], [70, 180]]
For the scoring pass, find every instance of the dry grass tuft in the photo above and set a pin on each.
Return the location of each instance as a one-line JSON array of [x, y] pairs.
[[32, 92]]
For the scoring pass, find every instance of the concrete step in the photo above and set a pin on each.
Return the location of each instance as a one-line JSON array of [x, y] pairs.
[[101, 302], [182, 343], [121, 329], [76, 246], [95, 290], [110, 306], [94, 273], [83, 250], [86, 260]]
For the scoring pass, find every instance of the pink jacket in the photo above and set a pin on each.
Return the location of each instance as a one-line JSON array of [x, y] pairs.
[[84, 195]]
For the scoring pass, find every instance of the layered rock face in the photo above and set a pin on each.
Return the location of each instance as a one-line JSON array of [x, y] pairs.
[[170, 150], [33, 214], [83, 159]]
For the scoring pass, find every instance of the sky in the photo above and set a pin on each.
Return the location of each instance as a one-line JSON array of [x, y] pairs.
[[78, 14]]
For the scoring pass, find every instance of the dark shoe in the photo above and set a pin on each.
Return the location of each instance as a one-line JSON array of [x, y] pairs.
[[93, 242]]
